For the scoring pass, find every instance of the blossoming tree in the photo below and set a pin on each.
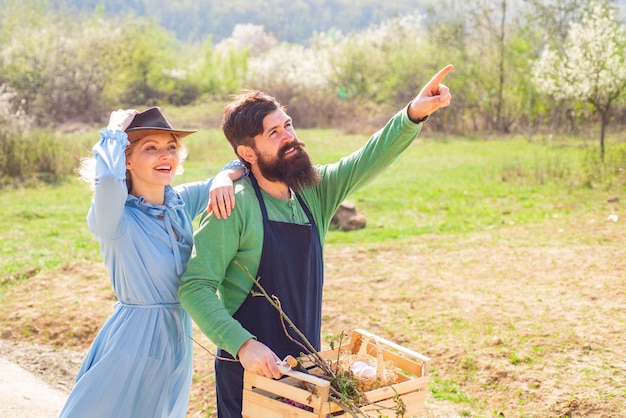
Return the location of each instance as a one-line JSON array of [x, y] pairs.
[[590, 65]]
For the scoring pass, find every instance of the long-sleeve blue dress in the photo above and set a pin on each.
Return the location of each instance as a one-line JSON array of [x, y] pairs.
[[140, 363]]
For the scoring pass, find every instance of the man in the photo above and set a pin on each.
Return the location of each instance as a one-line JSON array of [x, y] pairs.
[[276, 232]]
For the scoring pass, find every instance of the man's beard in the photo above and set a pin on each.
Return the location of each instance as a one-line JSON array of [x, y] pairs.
[[296, 172]]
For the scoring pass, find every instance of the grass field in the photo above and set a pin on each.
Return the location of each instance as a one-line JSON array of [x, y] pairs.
[[447, 186], [501, 259]]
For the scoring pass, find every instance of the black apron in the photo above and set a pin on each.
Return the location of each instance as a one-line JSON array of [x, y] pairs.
[[291, 268]]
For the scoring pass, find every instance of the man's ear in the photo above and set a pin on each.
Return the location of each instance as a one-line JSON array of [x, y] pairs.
[[246, 153]]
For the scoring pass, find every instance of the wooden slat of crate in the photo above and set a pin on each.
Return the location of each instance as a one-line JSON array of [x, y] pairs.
[[259, 392], [412, 392], [414, 403], [387, 392], [259, 405]]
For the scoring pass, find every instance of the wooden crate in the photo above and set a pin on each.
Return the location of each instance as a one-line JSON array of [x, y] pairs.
[[265, 398]]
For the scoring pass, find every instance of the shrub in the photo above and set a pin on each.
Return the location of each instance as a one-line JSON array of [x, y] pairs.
[[605, 171], [14, 123], [298, 78], [26, 152]]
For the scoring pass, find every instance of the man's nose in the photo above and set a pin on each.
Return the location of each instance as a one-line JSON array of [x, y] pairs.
[[287, 135]]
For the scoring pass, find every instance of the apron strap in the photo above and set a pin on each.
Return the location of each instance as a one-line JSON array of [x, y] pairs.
[[259, 197]]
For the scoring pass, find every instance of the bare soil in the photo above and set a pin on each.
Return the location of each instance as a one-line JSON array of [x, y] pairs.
[[523, 322]]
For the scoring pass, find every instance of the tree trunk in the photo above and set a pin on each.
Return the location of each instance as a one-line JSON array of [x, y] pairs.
[[604, 116], [499, 122]]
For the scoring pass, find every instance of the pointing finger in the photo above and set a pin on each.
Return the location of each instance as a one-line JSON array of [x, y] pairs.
[[438, 78]]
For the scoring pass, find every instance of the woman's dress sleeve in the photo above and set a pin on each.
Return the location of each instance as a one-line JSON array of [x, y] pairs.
[[107, 209]]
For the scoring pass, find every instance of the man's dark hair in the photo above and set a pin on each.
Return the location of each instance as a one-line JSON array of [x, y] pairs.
[[243, 117]]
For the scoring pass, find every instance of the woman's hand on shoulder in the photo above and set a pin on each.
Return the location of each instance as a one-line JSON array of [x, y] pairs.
[[221, 196]]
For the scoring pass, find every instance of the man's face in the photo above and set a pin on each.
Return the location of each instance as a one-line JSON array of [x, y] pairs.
[[281, 156]]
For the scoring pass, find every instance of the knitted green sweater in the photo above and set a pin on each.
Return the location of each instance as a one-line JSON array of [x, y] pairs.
[[214, 286]]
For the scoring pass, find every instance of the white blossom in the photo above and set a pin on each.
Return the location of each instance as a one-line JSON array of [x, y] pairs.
[[252, 37], [292, 65], [590, 65]]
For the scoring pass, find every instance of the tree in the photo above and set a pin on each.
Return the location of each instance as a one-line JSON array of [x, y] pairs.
[[58, 65], [554, 16], [373, 65], [492, 45], [590, 66], [219, 71]]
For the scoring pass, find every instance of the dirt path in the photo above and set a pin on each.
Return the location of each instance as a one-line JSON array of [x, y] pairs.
[[25, 395]]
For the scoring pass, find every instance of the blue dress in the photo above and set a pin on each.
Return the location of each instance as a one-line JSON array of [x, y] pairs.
[[140, 363]]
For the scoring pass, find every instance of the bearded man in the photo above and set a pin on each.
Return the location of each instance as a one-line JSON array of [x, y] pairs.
[[276, 232]]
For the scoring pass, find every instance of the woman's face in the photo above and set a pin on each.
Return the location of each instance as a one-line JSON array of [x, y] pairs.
[[152, 161]]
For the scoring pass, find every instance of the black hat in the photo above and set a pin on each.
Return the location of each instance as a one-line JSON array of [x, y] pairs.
[[151, 121]]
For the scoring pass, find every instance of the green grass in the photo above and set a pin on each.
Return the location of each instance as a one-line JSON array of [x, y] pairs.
[[460, 186], [44, 227], [451, 186], [446, 389]]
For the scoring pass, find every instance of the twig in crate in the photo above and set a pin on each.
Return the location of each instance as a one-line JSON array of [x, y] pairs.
[[344, 388], [273, 300], [214, 355]]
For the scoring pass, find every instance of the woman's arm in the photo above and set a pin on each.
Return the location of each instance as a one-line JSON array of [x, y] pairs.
[[221, 194], [106, 211]]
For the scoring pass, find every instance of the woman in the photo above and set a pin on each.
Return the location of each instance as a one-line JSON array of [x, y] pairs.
[[140, 363]]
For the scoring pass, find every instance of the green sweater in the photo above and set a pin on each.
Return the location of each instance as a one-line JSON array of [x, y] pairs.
[[212, 271]]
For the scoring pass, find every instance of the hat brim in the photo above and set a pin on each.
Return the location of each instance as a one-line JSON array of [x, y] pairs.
[[137, 133]]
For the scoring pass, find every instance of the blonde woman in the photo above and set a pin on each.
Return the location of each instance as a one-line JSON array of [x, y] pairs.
[[140, 363]]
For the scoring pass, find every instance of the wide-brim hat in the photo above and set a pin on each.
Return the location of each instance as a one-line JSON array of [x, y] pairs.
[[152, 121]]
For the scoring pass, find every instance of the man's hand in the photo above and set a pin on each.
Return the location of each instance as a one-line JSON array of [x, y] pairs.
[[433, 96], [258, 358]]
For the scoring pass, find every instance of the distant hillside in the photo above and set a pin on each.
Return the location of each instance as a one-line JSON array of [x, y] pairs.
[[289, 20]]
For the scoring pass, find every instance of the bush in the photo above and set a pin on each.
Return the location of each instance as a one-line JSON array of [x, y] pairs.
[[26, 152], [299, 78], [38, 154], [14, 123], [605, 171], [383, 64]]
